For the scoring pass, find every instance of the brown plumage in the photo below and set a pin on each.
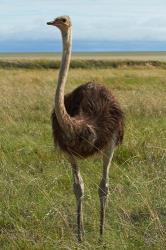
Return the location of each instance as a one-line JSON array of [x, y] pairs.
[[86, 121], [95, 105]]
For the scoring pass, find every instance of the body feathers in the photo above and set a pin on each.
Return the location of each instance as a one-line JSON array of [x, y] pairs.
[[100, 117]]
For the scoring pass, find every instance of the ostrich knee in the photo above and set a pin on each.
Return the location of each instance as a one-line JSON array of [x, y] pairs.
[[103, 190], [78, 188]]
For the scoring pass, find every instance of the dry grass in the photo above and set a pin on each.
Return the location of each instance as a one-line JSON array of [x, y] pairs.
[[135, 56], [38, 206]]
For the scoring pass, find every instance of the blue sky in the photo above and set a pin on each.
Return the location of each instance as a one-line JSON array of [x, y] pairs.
[[93, 20]]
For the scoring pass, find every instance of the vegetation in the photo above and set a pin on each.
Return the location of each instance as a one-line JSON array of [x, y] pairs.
[[37, 202], [83, 63], [83, 60]]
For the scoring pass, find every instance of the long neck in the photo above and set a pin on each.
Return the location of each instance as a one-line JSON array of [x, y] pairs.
[[62, 116]]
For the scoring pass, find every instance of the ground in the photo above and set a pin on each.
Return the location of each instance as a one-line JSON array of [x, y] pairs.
[[37, 202]]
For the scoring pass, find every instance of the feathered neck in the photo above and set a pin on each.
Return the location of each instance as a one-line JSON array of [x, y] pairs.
[[63, 117]]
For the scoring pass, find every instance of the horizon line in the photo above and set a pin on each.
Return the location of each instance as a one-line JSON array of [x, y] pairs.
[[88, 52]]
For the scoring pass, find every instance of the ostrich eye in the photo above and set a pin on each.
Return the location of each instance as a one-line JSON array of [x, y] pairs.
[[63, 20]]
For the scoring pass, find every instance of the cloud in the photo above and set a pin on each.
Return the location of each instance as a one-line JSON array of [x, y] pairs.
[[92, 19]]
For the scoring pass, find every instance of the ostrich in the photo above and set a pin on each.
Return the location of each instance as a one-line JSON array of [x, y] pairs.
[[86, 121]]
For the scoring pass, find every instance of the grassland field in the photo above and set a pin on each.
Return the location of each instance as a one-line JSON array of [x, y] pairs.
[[37, 208], [136, 56], [83, 60]]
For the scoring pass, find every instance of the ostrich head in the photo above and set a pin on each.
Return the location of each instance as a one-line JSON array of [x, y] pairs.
[[62, 22]]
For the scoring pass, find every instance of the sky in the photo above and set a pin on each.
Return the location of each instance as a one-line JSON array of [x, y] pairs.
[[132, 21]]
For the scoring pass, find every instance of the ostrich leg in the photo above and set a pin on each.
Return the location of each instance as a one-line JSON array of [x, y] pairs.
[[78, 188], [104, 184]]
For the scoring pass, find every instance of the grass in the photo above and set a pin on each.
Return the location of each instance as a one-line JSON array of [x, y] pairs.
[[37, 203], [76, 63], [83, 60], [135, 56]]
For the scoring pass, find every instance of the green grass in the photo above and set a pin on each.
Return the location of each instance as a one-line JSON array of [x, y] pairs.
[[78, 63], [37, 209]]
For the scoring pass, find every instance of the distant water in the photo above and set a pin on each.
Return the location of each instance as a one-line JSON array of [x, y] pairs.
[[81, 46]]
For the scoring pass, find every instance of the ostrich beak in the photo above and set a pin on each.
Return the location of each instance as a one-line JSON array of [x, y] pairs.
[[50, 23]]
